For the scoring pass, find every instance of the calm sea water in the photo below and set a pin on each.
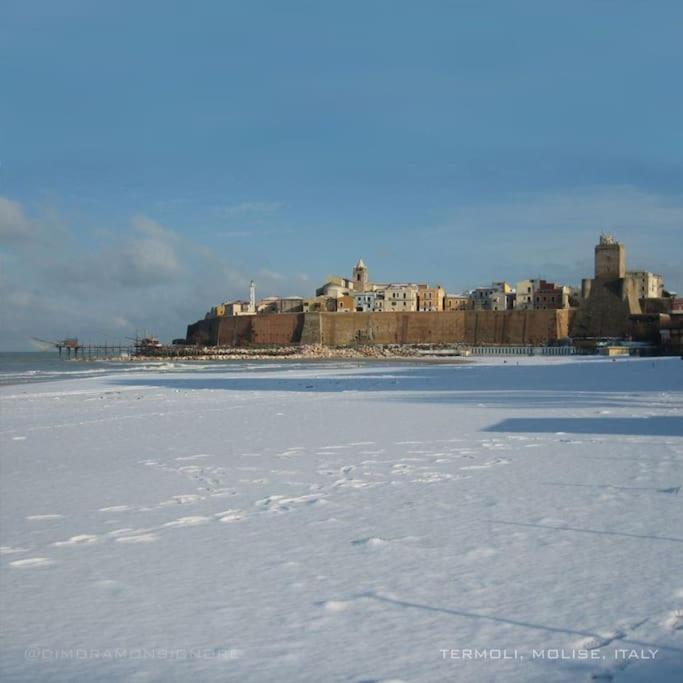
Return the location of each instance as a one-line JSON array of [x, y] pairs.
[[20, 368], [39, 366]]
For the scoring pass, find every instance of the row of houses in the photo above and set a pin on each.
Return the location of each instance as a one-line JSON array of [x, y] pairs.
[[360, 294]]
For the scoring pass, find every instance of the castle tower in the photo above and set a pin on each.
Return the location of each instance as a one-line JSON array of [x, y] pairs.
[[610, 259], [360, 277]]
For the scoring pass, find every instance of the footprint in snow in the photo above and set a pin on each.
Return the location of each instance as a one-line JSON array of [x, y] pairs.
[[599, 640], [9, 550], [480, 553], [141, 538], [370, 542], [199, 456], [336, 605], [194, 520], [32, 562], [231, 516], [81, 539], [431, 478], [675, 620], [183, 499]]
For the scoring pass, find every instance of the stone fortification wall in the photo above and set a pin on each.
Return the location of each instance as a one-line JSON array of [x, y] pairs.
[[344, 329]]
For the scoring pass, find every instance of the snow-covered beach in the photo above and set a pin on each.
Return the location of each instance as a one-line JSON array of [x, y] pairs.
[[345, 522]]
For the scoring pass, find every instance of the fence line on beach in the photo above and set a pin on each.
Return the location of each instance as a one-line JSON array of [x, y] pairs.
[[523, 350]]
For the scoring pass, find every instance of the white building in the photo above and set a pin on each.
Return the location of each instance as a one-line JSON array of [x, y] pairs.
[[493, 298], [364, 302], [499, 301]]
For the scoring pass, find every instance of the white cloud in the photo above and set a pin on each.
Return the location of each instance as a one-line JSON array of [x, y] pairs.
[[141, 276], [14, 225], [146, 262]]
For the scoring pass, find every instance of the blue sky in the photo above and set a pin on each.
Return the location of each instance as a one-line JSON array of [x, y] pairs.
[[155, 156]]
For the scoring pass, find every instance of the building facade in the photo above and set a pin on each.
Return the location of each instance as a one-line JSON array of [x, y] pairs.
[[276, 304], [493, 298], [648, 285], [398, 297], [364, 302], [525, 294], [430, 298], [457, 302], [345, 304], [548, 295]]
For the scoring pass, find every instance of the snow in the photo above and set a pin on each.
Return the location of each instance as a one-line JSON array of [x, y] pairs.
[[345, 522]]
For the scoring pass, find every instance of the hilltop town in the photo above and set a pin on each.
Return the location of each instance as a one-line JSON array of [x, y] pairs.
[[616, 303], [359, 294]]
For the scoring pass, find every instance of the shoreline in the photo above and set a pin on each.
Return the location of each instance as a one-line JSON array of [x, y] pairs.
[[310, 353]]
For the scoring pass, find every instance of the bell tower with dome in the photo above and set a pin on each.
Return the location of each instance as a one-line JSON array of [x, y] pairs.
[[360, 277]]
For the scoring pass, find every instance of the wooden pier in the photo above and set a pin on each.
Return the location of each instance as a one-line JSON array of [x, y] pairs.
[[94, 351], [72, 348]]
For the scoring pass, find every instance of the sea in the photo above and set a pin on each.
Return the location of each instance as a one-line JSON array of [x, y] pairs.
[[40, 366], [46, 366]]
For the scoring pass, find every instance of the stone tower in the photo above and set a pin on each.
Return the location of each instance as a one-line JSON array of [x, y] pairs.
[[360, 277], [610, 259]]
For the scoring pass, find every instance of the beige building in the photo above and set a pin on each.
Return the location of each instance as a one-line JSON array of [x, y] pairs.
[[525, 294], [648, 285], [230, 308], [335, 286], [457, 302], [397, 297], [537, 294], [277, 304], [345, 304], [320, 304], [430, 298]]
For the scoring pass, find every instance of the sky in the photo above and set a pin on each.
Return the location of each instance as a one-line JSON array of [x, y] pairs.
[[157, 156]]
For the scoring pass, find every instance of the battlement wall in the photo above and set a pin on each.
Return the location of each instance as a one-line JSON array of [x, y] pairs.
[[345, 329]]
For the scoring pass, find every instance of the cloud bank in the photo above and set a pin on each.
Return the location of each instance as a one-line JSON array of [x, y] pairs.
[[143, 276]]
